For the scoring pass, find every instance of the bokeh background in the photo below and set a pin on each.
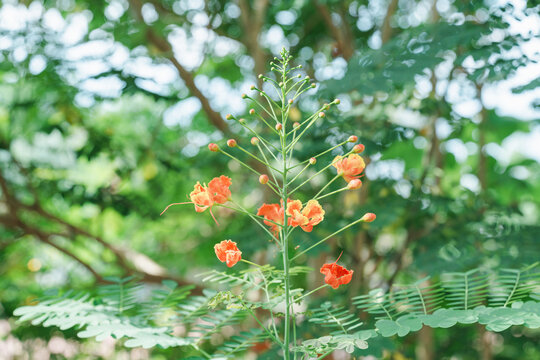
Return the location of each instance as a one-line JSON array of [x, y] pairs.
[[106, 109]]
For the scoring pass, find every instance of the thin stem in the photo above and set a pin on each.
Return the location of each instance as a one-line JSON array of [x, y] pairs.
[[300, 173], [250, 263], [257, 158], [265, 158], [326, 238], [311, 292], [320, 154], [254, 218], [331, 193], [327, 184]]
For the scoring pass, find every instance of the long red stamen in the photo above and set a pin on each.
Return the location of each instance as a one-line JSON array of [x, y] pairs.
[[213, 217], [168, 206], [335, 262]]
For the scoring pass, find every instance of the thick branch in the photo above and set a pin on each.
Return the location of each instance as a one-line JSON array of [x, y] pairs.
[[386, 29], [163, 45], [252, 23], [340, 34]]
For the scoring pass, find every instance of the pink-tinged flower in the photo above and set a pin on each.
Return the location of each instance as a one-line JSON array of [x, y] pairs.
[[358, 148], [368, 217], [231, 143], [354, 184], [228, 252], [263, 179], [336, 275], [350, 167], [201, 198], [213, 147], [279, 127], [314, 214]]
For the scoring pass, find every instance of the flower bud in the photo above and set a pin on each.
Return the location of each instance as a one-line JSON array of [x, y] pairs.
[[244, 96], [312, 161], [358, 148], [228, 117], [231, 143], [313, 85], [321, 114], [242, 121], [251, 111], [260, 76], [368, 217], [213, 147], [337, 101], [295, 124], [280, 84], [326, 106], [307, 77], [290, 101], [263, 179], [254, 140], [353, 138], [279, 127], [252, 87], [354, 184]]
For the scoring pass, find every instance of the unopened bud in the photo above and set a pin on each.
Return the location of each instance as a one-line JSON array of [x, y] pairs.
[[231, 143], [297, 247], [326, 106], [280, 84], [369, 217], [260, 76], [358, 148], [279, 127], [307, 77], [244, 96], [252, 87], [299, 76], [228, 117], [354, 184], [254, 141], [290, 101], [337, 101], [313, 85], [353, 138], [213, 147], [295, 124], [312, 161], [251, 111], [242, 121], [263, 179], [321, 114]]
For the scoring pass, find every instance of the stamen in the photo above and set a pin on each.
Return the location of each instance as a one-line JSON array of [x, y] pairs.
[[168, 206]]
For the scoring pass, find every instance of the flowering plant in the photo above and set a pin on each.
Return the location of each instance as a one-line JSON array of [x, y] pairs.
[[281, 219]]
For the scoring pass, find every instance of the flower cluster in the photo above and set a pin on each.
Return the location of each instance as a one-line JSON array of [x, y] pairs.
[[297, 215], [281, 219]]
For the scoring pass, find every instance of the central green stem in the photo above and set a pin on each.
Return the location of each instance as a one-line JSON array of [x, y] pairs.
[[285, 229]]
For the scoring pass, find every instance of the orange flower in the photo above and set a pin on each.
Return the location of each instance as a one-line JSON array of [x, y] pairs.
[[350, 167], [311, 215], [201, 198], [314, 213], [219, 189], [272, 212], [336, 275], [228, 252], [216, 192]]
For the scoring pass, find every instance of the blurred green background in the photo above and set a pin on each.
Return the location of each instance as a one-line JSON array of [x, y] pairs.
[[106, 109]]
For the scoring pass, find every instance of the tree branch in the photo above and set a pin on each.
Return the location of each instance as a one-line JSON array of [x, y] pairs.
[[163, 45]]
